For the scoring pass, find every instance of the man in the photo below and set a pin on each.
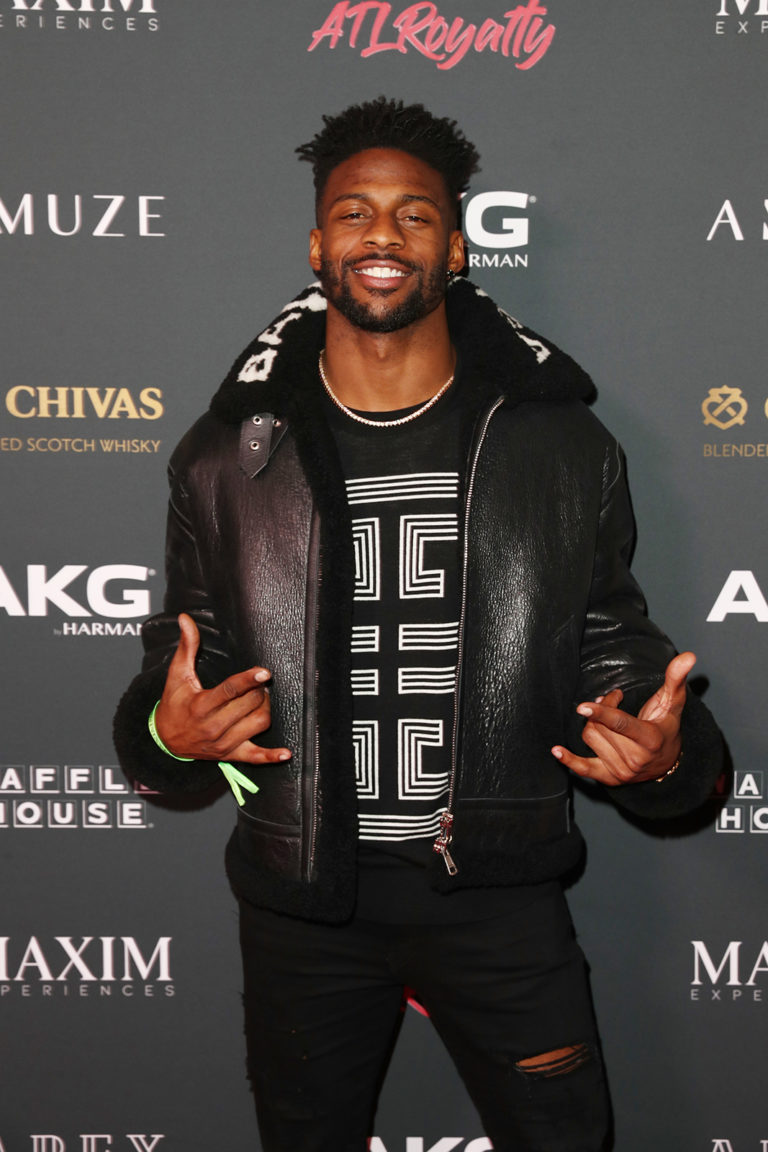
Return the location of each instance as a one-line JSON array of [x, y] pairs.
[[401, 514]]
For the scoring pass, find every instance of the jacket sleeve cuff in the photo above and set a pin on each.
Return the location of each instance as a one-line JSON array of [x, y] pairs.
[[694, 781], [140, 756]]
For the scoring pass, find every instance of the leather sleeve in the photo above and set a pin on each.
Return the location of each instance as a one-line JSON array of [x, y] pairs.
[[622, 648], [139, 755]]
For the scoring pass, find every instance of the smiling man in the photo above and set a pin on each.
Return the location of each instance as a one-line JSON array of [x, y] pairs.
[[401, 516]]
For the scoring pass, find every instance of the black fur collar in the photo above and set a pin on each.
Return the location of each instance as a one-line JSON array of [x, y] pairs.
[[277, 371]]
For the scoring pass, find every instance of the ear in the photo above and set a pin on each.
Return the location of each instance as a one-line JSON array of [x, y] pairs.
[[315, 248], [456, 259]]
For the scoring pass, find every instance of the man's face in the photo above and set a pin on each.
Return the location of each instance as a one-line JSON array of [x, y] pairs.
[[386, 240]]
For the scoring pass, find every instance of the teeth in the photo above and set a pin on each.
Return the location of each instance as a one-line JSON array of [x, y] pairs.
[[379, 272]]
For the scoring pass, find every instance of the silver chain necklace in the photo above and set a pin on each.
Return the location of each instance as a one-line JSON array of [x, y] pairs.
[[381, 423]]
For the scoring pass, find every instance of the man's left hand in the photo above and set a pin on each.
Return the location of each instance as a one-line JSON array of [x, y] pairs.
[[629, 749]]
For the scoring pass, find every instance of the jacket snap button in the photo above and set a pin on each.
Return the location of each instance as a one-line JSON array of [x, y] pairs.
[[257, 419], [255, 445]]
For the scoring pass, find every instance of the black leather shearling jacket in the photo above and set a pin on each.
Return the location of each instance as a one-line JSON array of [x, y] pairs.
[[259, 553]]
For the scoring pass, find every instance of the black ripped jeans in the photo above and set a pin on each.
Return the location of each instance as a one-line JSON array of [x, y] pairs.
[[323, 1002]]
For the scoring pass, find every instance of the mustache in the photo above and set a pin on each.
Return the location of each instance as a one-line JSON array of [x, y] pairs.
[[387, 257]]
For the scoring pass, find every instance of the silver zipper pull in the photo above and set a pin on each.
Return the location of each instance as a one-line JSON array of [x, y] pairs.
[[443, 840]]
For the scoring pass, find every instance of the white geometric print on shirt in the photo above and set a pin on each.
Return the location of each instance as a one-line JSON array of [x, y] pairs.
[[365, 737], [365, 539], [417, 581], [387, 827], [365, 637], [365, 681], [405, 486], [428, 637], [413, 736], [433, 681]]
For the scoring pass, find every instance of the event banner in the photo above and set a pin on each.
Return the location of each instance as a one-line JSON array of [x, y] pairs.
[[154, 217]]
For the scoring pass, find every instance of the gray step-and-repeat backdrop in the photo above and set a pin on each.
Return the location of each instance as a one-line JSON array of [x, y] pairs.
[[152, 218]]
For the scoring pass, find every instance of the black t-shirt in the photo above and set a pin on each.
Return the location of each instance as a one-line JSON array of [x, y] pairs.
[[405, 491]]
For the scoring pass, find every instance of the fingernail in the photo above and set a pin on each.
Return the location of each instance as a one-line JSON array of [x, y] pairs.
[[584, 710], [558, 753], [284, 756], [261, 676]]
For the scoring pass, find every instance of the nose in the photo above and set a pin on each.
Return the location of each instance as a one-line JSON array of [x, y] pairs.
[[383, 231]]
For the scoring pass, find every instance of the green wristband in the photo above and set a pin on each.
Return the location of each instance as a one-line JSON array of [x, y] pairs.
[[156, 737], [234, 777]]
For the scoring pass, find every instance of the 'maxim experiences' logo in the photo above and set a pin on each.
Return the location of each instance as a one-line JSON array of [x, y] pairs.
[[728, 973], [521, 34], [741, 17], [100, 966], [79, 15]]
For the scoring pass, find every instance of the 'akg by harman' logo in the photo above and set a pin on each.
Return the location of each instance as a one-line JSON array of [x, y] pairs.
[[115, 592], [80, 16], [443, 1144], [489, 223]]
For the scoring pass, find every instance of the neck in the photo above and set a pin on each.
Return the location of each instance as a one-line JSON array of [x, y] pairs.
[[382, 372]]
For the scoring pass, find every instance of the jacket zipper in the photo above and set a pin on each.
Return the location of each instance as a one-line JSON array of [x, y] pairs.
[[445, 836]]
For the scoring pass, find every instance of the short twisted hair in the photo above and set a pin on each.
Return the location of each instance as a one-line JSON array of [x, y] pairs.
[[384, 123]]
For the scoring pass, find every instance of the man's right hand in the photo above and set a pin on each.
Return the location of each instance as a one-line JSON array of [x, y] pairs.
[[214, 723]]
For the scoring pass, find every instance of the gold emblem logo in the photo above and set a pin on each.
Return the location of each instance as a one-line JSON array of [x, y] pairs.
[[724, 407]]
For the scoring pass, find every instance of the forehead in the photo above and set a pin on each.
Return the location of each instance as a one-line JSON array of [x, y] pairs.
[[385, 171]]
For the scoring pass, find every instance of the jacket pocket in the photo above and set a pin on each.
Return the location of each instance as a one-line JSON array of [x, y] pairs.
[[270, 847], [511, 824]]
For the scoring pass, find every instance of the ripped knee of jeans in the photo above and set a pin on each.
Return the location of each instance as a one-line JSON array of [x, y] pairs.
[[558, 1062]]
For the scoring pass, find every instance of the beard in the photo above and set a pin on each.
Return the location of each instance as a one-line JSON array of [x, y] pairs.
[[427, 293]]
